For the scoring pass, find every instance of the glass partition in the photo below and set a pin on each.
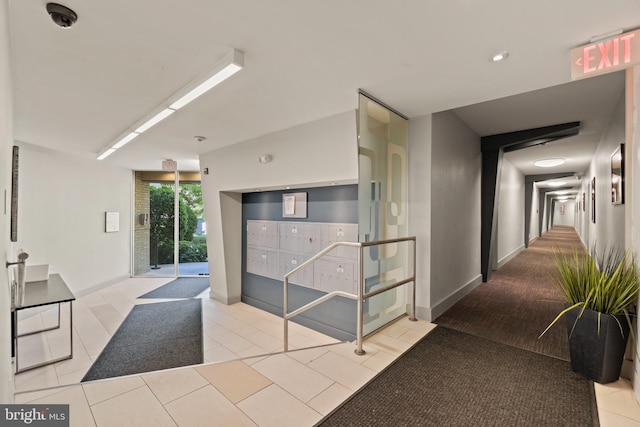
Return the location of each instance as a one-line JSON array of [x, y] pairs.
[[382, 208]]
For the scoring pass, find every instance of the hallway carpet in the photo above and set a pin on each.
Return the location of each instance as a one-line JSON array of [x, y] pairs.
[[519, 300], [450, 378]]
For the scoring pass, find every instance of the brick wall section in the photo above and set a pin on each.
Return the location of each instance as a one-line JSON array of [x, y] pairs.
[[141, 244]]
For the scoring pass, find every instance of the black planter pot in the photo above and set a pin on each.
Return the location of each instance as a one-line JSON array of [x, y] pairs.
[[598, 357]]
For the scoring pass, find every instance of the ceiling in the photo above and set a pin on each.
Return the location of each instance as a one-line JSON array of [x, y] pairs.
[[77, 90]]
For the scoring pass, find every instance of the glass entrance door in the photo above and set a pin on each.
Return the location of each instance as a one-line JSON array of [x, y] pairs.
[[164, 217], [192, 246]]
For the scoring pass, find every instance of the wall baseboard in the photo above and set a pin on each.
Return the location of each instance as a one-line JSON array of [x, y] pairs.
[[510, 256], [439, 308], [223, 299]]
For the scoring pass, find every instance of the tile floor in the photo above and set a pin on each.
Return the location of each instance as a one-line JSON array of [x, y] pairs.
[[246, 380]]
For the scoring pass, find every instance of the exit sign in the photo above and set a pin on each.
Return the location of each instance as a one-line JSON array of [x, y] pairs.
[[606, 56]]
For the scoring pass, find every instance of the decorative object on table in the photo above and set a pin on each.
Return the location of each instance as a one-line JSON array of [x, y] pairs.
[[600, 292]]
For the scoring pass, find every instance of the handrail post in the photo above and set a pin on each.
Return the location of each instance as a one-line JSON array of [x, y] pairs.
[[413, 288], [286, 309], [361, 295], [360, 308]]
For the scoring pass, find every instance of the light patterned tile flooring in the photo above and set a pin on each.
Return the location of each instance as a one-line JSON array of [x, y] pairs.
[[240, 384]]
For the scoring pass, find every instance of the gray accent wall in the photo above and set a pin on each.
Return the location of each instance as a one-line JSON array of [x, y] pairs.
[[335, 204]]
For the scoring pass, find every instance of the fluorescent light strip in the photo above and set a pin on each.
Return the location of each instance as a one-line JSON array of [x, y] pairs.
[[106, 154], [125, 140], [236, 64], [155, 119], [207, 85]]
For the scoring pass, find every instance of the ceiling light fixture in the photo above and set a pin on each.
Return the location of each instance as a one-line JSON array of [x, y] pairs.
[[227, 67], [548, 163], [500, 56], [557, 183]]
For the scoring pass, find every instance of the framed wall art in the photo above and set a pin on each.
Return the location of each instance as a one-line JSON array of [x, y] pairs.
[[617, 176], [14, 193], [593, 200]]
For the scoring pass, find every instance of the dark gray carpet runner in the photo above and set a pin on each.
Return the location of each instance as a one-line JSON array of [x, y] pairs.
[[520, 299], [451, 378], [153, 337]]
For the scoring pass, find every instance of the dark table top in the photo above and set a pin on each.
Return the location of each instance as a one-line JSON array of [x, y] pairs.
[[45, 292]]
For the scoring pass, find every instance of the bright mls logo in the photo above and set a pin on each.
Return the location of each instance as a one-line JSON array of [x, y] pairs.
[[34, 415]]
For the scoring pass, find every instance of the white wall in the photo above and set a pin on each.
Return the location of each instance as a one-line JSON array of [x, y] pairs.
[[568, 219], [316, 153], [456, 170], [633, 189], [609, 228], [510, 232], [581, 218], [62, 204], [6, 142], [534, 225], [420, 209]]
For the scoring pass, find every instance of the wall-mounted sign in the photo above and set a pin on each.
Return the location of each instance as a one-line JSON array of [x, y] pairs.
[[606, 56], [294, 205]]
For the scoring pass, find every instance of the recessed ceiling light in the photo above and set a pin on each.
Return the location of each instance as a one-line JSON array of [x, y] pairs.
[[548, 163], [557, 183], [500, 56]]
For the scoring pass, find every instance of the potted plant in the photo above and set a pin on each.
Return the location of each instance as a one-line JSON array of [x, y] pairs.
[[600, 293]]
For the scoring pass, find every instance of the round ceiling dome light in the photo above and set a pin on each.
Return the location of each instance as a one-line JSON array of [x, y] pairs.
[[500, 56], [557, 183], [548, 163]]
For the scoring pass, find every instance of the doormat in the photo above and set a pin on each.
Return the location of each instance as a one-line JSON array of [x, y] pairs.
[[152, 337], [182, 287]]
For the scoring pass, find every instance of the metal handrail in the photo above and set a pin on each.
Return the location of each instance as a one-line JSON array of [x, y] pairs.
[[360, 297]]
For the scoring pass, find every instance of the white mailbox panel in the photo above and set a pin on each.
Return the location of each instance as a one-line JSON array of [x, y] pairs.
[[299, 237], [289, 261], [262, 262], [331, 233], [335, 275], [274, 248], [262, 233]]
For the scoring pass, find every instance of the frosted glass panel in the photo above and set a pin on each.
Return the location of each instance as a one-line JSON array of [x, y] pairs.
[[382, 208]]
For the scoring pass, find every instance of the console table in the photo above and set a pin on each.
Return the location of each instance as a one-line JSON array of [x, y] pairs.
[[37, 294]]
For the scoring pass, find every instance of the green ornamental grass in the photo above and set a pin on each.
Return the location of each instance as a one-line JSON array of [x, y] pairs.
[[607, 284]]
